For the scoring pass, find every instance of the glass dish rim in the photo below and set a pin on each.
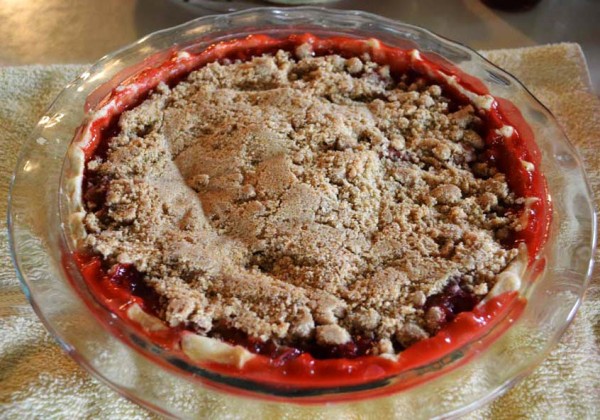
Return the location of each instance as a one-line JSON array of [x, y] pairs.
[[107, 58]]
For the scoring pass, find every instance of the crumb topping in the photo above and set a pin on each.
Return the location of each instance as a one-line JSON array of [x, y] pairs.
[[300, 198]]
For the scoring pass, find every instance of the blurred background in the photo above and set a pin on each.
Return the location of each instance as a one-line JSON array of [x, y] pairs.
[[81, 31]]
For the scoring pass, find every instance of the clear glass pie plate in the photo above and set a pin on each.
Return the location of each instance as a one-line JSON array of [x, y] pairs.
[[127, 361]]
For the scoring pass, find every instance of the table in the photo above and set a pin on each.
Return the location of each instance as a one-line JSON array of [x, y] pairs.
[[80, 31]]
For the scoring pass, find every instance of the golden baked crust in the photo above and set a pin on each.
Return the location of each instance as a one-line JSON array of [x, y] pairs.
[[299, 199]]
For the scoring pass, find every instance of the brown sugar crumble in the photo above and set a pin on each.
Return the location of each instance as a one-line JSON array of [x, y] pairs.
[[301, 199]]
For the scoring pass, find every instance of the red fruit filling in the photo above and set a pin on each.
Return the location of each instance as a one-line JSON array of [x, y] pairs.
[[309, 363]]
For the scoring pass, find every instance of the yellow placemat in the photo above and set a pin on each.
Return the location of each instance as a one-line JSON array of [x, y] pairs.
[[38, 380]]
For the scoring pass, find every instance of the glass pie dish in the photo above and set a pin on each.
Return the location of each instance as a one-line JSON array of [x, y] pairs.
[[110, 349]]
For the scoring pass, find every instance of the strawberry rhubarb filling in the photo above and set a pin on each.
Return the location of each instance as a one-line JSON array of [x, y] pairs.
[[306, 211]]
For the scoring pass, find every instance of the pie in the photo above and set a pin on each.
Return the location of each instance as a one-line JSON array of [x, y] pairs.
[[304, 201]]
